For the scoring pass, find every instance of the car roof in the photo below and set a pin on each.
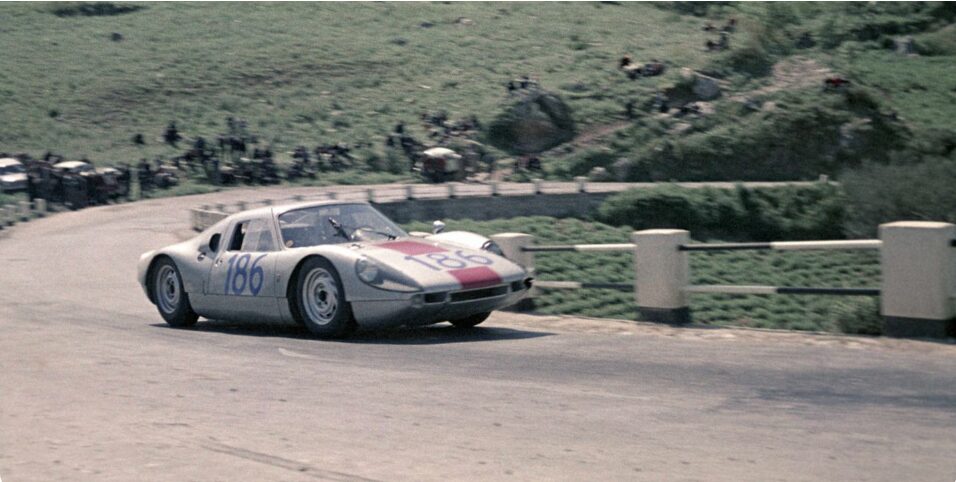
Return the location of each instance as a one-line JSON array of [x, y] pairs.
[[9, 161], [284, 208]]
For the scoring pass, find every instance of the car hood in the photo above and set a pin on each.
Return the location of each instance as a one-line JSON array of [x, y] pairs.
[[436, 265]]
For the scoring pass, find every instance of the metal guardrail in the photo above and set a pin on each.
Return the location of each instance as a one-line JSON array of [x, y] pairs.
[[857, 244], [787, 245], [579, 248], [783, 246], [779, 290], [576, 285]]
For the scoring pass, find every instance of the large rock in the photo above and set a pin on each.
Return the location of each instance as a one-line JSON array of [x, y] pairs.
[[535, 122], [706, 88]]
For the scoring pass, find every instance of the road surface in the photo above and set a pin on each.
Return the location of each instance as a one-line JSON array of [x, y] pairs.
[[93, 386]]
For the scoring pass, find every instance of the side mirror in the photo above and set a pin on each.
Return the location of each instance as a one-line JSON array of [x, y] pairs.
[[438, 227], [212, 245]]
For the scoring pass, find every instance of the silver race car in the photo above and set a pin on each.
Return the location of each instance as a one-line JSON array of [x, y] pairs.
[[331, 266]]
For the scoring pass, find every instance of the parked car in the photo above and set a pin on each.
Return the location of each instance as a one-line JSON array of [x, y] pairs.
[[13, 176]]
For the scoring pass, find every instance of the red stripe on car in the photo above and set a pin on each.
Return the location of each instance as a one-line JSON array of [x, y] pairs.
[[478, 277], [412, 248]]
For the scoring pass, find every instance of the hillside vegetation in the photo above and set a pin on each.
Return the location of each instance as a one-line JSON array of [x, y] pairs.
[[82, 79]]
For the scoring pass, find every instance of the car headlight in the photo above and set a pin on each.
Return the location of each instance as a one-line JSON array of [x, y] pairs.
[[382, 277], [492, 247], [367, 271]]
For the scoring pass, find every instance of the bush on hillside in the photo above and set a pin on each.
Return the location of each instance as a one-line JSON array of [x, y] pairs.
[[884, 193], [763, 214], [536, 122]]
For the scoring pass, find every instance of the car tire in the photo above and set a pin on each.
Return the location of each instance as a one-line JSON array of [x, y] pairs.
[[470, 321], [320, 300], [170, 298]]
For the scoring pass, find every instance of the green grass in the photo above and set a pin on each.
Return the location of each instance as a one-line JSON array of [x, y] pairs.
[[818, 269], [304, 72]]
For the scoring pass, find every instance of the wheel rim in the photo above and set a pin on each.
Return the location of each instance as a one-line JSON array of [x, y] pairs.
[[168, 290], [320, 295]]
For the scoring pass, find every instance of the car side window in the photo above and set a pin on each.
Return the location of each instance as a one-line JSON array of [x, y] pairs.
[[257, 236], [238, 236]]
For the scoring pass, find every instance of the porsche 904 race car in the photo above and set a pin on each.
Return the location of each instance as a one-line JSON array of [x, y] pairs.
[[331, 266]]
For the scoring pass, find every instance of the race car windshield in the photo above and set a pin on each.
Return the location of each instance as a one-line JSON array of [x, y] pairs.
[[340, 223]]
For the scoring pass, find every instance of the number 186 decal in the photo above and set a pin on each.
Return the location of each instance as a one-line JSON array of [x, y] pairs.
[[242, 274], [438, 261]]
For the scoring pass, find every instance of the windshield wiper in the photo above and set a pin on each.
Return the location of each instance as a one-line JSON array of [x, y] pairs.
[[339, 228]]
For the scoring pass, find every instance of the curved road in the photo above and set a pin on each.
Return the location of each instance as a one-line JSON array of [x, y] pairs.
[[94, 387]]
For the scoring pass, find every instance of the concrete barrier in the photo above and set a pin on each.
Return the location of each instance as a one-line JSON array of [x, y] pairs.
[[39, 207], [511, 245], [918, 262], [662, 271]]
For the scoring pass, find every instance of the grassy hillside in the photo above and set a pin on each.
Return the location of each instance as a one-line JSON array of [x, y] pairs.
[[311, 73], [818, 313], [301, 72]]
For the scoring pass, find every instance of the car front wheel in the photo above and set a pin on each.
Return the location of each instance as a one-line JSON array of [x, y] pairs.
[[320, 300], [169, 296], [470, 321]]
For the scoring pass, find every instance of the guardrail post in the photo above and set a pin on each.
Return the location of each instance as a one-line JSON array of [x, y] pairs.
[[511, 244], [25, 211], [410, 192], [494, 188], [451, 190], [918, 264], [582, 183], [537, 185], [9, 217], [661, 273], [370, 194], [39, 207]]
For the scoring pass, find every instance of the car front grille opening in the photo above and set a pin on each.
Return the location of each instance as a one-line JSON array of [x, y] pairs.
[[435, 297], [479, 294]]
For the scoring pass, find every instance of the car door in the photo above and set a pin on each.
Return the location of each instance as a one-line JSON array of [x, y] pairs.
[[241, 282]]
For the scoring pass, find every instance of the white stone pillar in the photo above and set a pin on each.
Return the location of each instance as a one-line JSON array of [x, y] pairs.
[[582, 183], [537, 185], [511, 244], [451, 190], [25, 212], [918, 262], [494, 187], [409, 192], [39, 207], [661, 273]]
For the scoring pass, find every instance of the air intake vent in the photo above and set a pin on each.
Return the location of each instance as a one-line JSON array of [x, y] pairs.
[[479, 294]]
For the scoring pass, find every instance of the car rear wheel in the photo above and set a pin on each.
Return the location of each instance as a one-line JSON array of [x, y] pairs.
[[320, 300], [169, 296], [471, 321]]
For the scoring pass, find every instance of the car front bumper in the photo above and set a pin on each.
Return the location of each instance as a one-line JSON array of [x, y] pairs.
[[434, 307]]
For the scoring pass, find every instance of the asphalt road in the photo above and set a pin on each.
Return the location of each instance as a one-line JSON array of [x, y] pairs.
[[93, 386]]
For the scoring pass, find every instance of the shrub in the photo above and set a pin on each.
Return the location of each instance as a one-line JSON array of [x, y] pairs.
[[883, 193], [858, 317], [779, 213], [94, 9]]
